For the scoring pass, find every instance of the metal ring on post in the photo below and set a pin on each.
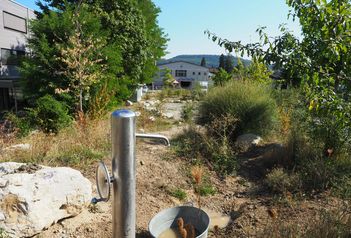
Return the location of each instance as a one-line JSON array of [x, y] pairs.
[[103, 182]]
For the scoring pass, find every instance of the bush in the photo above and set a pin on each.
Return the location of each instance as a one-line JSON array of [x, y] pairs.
[[249, 102], [49, 114], [199, 145], [278, 181], [188, 112], [19, 125], [328, 223], [322, 165]]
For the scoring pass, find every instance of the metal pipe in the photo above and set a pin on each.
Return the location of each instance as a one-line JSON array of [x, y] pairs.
[[123, 171], [154, 136]]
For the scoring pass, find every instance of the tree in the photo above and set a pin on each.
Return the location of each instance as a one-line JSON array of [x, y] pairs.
[[168, 78], [320, 62], [222, 77], [221, 62], [81, 60], [228, 63], [157, 40], [132, 43], [203, 62]]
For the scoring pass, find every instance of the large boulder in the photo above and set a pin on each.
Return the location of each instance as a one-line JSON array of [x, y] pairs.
[[34, 197]]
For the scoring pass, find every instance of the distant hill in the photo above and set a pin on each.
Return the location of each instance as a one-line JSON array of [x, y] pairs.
[[211, 60]]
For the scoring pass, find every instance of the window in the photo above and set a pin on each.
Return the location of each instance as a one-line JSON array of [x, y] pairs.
[[14, 22], [193, 73], [11, 57], [199, 73], [180, 73], [205, 74]]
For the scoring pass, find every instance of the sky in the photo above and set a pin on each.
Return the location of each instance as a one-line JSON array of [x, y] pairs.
[[184, 21]]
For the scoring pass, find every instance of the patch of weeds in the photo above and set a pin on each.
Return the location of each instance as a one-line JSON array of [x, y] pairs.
[[331, 223], [94, 208], [161, 95], [201, 182], [167, 157], [79, 156], [178, 193], [199, 145], [342, 188], [280, 182], [19, 125], [328, 223], [206, 190], [188, 112]]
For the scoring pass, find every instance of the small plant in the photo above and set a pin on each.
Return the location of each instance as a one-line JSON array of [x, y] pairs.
[[200, 145], [178, 193], [278, 181], [206, 190], [161, 95], [188, 112], [19, 125], [197, 173]]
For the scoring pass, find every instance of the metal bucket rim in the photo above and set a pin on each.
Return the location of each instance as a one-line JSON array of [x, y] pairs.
[[180, 207]]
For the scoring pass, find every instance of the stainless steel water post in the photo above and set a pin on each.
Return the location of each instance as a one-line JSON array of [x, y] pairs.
[[123, 173]]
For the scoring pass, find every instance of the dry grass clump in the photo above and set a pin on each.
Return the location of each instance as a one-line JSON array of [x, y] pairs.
[[279, 181], [327, 223], [197, 173], [78, 145]]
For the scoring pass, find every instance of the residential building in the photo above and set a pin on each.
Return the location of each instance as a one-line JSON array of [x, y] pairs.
[[188, 75], [14, 20]]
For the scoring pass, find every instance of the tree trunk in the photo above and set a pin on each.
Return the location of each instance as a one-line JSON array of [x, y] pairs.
[[81, 100]]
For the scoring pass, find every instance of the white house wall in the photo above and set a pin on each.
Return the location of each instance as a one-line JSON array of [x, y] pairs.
[[195, 73]]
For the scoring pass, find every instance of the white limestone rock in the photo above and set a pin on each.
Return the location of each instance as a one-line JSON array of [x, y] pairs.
[[19, 147], [129, 103], [246, 141], [34, 197]]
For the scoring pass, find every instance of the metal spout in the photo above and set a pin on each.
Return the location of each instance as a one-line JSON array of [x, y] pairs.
[[154, 137]]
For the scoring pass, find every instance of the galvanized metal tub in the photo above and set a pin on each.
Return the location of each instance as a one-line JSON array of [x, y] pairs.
[[168, 219]]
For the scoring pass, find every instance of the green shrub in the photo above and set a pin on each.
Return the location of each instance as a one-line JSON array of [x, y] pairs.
[[319, 169], [178, 193], [188, 112], [206, 190], [279, 181], [249, 102], [200, 146], [21, 126], [49, 114]]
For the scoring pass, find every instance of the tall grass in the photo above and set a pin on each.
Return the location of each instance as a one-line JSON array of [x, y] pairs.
[[78, 145], [249, 102]]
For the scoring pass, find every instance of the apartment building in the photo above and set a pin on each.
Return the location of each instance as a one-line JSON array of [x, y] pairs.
[[14, 20]]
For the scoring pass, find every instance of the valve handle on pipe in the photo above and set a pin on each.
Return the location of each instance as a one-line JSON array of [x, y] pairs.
[[103, 183]]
